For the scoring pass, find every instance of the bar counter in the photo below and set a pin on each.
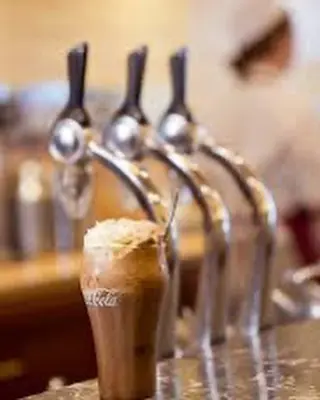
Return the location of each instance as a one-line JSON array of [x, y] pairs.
[[282, 364], [45, 331]]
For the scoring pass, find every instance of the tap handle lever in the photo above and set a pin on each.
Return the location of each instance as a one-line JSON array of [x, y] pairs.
[[136, 68], [178, 72], [135, 72], [77, 64]]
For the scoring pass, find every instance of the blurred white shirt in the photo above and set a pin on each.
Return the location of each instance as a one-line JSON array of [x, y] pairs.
[[275, 126], [305, 19]]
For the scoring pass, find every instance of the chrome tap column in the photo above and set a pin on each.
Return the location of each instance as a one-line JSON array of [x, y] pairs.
[[178, 128], [129, 137], [73, 146]]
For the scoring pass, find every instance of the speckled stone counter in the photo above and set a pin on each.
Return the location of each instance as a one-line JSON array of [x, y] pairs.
[[283, 364]]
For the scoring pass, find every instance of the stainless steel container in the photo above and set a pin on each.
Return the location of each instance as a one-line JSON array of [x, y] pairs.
[[33, 204]]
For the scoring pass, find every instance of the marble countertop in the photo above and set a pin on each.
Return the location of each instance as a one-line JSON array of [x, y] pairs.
[[281, 364]]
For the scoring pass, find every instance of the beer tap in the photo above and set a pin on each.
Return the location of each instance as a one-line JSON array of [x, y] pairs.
[[179, 129], [73, 146], [129, 137]]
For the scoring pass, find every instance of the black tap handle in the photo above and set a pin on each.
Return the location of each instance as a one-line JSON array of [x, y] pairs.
[[74, 109], [178, 72], [135, 72], [77, 63], [178, 76]]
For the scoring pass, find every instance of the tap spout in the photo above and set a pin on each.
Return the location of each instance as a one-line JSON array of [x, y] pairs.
[[257, 312], [149, 199], [136, 178], [211, 306]]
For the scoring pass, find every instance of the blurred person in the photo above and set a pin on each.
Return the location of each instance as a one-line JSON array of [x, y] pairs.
[[255, 84]]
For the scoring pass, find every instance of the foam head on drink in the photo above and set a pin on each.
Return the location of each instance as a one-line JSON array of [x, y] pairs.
[[123, 283]]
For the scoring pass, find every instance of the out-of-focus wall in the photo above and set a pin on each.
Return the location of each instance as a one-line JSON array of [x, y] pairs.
[[34, 35]]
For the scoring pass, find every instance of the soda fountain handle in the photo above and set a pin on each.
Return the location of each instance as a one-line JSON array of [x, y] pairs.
[[177, 125], [135, 72], [129, 119], [70, 126], [136, 64], [76, 66], [77, 203], [77, 62], [178, 82]]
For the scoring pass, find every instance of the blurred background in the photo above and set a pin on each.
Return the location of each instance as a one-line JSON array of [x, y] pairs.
[[253, 81]]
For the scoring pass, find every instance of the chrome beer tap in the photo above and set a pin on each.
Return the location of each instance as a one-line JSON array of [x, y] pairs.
[[129, 137], [179, 129], [73, 147]]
